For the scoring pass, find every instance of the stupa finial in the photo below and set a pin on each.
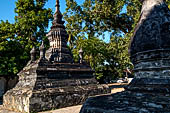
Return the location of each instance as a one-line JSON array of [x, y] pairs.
[[57, 22], [57, 6]]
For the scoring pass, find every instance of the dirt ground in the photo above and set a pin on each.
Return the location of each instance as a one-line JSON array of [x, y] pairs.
[[73, 109], [116, 87]]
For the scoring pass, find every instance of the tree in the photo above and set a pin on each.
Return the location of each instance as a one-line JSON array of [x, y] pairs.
[[96, 19], [9, 49], [89, 24], [16, 40]]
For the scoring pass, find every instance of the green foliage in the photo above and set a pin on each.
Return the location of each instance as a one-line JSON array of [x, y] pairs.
[[88, 22], [87, 25], [168, 2], [16, 40], [91, 21], [95, 17], [93, 51], [8, 49]]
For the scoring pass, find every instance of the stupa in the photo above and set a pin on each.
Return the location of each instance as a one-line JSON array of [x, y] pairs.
[[54, 80], [149, 91]]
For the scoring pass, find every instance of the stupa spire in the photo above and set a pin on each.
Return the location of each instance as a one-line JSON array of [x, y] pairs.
[[57, 22], [57, 7], [58, 38]]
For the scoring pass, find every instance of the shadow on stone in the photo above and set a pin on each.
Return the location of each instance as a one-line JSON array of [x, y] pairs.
[[1, 100]]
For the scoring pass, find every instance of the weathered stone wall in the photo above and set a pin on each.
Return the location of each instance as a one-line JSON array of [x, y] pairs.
[[63, 97], [12, 81], [17, 99], [128, 102], [6, 83], [2, 86]]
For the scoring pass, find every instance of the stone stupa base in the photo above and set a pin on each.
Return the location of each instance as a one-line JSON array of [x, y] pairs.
[[43, 86], [129, 102], [48, 99]]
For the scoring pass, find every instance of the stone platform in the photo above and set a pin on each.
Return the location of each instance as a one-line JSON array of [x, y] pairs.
[[128, 102], [115, 87], [57, 85]]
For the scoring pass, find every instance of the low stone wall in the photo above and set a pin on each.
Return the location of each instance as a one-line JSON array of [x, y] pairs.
[[128, 102], [3, 82], [7, 82]]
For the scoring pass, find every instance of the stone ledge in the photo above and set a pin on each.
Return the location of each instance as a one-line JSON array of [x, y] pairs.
[[128, 102]]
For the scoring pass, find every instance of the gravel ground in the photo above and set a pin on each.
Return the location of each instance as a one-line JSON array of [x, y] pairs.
[[5, 111], [73, 109]]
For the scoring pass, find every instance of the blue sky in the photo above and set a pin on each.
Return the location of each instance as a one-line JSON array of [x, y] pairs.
[[7, 8]]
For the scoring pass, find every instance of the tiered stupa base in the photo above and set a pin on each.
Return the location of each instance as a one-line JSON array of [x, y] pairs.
[[128, 102], [52, 86], [149, 91]]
